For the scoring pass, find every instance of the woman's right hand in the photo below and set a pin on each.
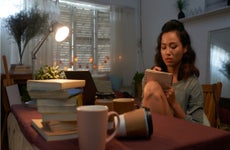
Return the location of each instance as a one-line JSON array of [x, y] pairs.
[[156, 68]]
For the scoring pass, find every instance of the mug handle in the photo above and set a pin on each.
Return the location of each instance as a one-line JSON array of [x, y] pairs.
[[109, 138]]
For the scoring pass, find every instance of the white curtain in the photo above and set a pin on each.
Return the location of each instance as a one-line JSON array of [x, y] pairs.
[[123, 42]]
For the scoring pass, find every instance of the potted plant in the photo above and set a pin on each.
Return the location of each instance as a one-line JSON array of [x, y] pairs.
[[137, 78], [181, 5], [226, 69], [25, 25], [49, 72]]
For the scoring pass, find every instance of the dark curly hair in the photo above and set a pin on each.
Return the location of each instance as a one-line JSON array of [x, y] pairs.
[[187, 67]]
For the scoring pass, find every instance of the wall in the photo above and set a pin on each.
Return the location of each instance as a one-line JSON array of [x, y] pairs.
[[155, 14], [200, 28]]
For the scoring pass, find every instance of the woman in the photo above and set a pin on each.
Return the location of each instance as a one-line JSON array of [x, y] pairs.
[[174, 54]]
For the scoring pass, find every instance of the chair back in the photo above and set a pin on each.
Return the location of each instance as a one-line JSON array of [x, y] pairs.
[[212, 93]]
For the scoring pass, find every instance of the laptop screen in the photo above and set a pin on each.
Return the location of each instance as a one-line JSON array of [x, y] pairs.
[[90, 89]]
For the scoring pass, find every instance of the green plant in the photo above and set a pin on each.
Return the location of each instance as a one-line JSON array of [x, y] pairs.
[[137, 78], [181, 4], [49, 72], [226, 69], [25, 25]]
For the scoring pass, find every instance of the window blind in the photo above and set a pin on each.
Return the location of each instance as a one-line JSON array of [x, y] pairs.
[[88, 45]]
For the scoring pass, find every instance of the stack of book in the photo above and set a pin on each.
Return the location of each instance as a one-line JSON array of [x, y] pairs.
[[56, 100]]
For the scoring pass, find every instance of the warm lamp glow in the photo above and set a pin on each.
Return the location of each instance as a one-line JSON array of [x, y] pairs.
[[90, 59], [61, 33], [65, 68], [76, 59]]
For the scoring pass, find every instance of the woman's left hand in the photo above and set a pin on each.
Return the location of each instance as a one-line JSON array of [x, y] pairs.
[[170, 95]]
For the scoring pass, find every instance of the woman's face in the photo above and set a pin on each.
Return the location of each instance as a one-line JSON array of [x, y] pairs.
[[171, 49]]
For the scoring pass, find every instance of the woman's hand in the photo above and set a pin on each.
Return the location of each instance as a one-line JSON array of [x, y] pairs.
[[170, 95], [156, 68]]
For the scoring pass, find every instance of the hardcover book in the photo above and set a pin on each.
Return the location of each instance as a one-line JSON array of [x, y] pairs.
[[163, 78], [53, 136], [72, 101], [54, 84], [58, 94], [60, 126], [56, 109], [59, 116]]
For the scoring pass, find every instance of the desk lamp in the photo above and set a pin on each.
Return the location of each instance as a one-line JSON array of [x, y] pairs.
[[61, 32]]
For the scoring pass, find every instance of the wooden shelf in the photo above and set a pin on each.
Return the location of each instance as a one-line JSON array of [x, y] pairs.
[[206, 14]]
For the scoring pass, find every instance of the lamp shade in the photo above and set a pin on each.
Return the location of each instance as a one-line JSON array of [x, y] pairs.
[[61, 33]]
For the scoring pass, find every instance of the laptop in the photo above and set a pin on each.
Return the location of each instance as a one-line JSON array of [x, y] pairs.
[[90, 89]]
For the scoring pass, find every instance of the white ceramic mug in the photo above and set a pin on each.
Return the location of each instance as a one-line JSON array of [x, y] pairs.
[[92, 126]]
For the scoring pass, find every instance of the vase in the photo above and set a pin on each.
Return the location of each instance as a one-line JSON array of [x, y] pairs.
[[181, 15]]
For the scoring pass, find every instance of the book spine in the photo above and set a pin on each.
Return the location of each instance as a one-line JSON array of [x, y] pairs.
[[59, 117], [53, 85], [72, 101], [59, 94], [60, 126], [56, 109]]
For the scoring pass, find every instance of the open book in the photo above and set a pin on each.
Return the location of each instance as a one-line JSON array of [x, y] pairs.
[[163, 78]]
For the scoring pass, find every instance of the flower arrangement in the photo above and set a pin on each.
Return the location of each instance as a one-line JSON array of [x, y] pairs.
[[49, 72], [25, 25]]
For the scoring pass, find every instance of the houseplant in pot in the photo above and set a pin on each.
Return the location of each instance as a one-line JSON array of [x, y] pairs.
[[49, 72], [25, 25], [226, 69], [181, 5], [137, 79]]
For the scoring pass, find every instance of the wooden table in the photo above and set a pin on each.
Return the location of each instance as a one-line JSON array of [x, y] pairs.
[[169, 133]]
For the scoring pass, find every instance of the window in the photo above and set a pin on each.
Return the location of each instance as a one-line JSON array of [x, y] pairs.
[[10, 7], [88, 46], [103, 38]]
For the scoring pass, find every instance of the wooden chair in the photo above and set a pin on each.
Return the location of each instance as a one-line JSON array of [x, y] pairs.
[[6, 106], [212, 93]]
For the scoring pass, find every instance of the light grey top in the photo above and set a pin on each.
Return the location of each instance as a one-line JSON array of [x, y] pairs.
[[189, 95]]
